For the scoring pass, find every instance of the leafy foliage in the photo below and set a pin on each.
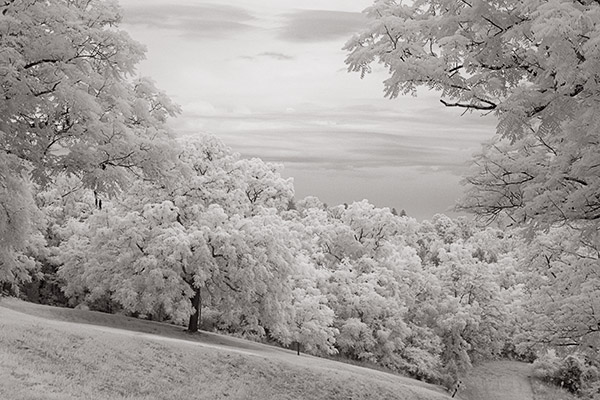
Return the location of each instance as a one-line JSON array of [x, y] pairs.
[[19, 222], [573, 372], [534, 65], [426, 299], [69, 104], [562, 283], [151, 250]]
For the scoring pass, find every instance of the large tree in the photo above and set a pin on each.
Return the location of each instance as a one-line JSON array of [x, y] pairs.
[[532, 63], [198, 241], [535, 65], [70, 103]]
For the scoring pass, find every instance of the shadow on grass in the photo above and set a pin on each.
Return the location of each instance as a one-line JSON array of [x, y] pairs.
[[126, 323]]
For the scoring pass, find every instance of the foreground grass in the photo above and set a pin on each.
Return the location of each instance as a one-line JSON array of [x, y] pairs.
[[47, 353], [546, 391]]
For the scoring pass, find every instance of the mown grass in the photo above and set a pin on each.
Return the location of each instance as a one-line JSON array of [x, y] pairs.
[[46, 353]]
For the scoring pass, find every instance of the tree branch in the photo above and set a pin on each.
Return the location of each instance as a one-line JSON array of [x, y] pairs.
[[487, 107], [42, 61]]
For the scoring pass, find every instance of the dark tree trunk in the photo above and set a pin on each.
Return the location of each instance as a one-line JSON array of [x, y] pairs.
[[196, 316]]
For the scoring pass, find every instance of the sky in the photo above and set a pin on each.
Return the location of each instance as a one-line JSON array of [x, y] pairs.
[[268, 77]]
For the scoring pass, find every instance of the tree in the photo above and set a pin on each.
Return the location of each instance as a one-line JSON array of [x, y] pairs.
[[173, 249], [64, 199], [479, 54], [534, 65], [371, 226], [312, 319], [562, 287], [264, 185], [373, 280], [472, 302], [426, 299], [69, 102], [531, 63], [474, 313], [20, 223]]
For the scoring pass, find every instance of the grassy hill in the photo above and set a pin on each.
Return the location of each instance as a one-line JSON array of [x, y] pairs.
[[54, 353]]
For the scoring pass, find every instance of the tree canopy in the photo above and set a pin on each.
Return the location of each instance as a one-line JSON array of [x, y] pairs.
[[535, 66], [70, 104], [70, 100]]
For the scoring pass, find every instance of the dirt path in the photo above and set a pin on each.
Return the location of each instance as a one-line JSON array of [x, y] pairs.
[[499, 380]]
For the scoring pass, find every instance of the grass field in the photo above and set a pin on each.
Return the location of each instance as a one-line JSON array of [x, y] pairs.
[[53, 353]]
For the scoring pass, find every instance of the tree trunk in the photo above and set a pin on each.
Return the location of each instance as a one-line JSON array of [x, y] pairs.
[[196, 316]]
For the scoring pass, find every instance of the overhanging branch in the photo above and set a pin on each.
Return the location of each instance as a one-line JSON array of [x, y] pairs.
[[485, 105]]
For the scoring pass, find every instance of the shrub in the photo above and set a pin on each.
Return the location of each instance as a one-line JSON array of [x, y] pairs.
[[546, 366], [575, 372], [570, 373]]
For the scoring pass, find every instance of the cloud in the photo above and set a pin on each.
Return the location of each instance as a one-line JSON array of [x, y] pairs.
[[339, 148], [348, 153], [190, 20], [320, 25], [355, 137], [270, 54]]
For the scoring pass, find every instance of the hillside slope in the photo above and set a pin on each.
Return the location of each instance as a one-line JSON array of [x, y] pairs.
[[51, 353]]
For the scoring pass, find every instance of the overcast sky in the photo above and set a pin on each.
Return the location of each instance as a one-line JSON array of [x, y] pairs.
[[268, 77]]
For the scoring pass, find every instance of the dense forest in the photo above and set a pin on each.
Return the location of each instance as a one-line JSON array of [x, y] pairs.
[[102, 206]]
